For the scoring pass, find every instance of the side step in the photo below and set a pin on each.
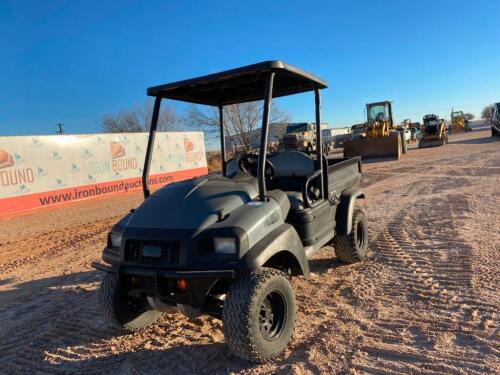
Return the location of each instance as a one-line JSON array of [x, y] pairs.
[[312, 249]]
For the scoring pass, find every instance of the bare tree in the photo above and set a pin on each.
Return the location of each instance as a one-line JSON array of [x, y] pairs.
[[487, 111], [469, 116], [138, 119], [240, 121]]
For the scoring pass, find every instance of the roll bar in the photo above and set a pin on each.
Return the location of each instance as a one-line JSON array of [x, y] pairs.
[[222, 140], [149, 150], [263, 136], [238, 86], [263, 140], [319, 141]]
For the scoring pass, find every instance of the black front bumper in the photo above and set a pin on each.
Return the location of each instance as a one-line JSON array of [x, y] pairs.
[[160, 283]]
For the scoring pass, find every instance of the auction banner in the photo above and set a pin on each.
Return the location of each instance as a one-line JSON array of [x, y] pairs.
[[41, 171]]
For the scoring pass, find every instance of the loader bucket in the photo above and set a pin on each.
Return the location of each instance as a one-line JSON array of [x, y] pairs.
[[381, 147], [431, 143]]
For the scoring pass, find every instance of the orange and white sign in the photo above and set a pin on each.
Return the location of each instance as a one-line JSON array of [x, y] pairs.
[[43, 171]]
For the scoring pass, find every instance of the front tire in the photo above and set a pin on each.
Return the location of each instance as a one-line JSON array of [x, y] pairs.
[[259, 315], [352, 248], [124, 312]]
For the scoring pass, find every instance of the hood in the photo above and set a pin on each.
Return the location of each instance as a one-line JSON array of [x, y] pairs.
[[193, 204]]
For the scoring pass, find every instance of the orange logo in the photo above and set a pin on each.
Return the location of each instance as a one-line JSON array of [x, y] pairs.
[[188, 145], [117, 150], [6, 159]]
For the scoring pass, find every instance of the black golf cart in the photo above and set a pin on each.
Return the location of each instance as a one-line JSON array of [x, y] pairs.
[[226, 245]]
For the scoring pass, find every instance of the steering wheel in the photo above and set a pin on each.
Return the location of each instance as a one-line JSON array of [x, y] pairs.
[[248, 164]]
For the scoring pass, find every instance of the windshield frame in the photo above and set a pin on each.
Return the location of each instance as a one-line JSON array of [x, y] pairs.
[[298, 128], [371, 108]]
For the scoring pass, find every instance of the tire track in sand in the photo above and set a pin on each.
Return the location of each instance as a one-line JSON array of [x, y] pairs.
[[431, 271]]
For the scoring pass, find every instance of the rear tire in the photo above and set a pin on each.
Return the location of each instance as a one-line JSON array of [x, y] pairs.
[[352, 248], [259, 315], [404, 145], [124, 312]]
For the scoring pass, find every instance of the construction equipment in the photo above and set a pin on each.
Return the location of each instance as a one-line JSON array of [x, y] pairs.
[[434, 133], [415, 131], [299, 136], [407, 124], [381, 138], [495, 120], [458, 122], [358, 131]]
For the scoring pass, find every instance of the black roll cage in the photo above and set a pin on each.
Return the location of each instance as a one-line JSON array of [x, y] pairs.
[[238, 86]]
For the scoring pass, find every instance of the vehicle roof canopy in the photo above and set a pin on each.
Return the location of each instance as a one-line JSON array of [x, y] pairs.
[[384, 102], [240, 85], [431, 117]]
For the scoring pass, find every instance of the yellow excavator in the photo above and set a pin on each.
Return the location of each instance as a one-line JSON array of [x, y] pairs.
[[434, 132], [381, 138]]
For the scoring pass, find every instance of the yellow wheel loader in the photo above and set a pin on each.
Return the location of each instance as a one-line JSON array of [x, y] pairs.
[[458, 122], [381, 138], [434, 133]]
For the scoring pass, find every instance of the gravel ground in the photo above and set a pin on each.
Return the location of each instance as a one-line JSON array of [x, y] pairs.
[[425, 301]]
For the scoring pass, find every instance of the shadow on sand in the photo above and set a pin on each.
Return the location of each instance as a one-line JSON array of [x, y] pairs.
[[54, 326], [476, 141]]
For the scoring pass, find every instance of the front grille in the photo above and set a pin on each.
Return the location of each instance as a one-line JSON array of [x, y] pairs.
[[143, 282], [169, 252]]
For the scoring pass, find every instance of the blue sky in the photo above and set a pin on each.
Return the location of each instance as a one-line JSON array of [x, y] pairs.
[[73, 61]]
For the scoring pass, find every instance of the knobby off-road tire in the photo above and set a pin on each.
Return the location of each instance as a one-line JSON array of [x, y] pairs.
[[259, 315], [124, 312], [352, 248]]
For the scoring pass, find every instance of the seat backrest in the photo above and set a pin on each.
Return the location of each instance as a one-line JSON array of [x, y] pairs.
[[292, 170], [292, 164]]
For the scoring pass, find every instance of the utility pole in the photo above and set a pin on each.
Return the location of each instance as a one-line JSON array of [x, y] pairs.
[[60, 131]]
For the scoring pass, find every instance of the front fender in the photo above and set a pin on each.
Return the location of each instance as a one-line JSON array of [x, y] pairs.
[[346, 208], [283, 242]]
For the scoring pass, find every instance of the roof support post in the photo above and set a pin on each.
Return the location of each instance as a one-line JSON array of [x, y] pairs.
[[149, 150], [319, 143], [263, 136], [391, 120], [222, 140]]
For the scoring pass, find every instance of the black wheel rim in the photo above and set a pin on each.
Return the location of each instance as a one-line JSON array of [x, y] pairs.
[[272, 315], [360, 235]]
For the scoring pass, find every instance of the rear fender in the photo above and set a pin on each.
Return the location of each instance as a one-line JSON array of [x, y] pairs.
[[346, 209], [282, 248]]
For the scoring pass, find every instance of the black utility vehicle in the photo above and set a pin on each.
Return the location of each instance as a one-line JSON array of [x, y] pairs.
[[226, 245]]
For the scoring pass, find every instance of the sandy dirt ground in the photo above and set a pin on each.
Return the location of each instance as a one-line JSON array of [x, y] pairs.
[[425, 301]]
